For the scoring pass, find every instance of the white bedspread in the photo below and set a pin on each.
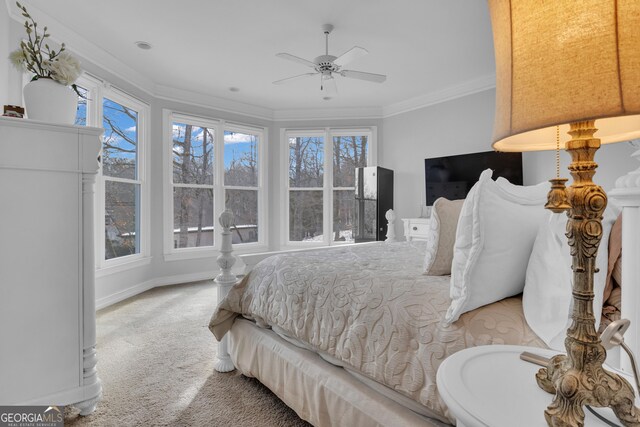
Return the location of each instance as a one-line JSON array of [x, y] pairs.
[[370, 308]]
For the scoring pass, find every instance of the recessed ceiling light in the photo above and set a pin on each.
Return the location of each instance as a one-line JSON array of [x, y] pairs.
[[234, 89], [143, 45]]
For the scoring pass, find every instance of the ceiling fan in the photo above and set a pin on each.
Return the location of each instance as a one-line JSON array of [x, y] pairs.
[[327, 65]]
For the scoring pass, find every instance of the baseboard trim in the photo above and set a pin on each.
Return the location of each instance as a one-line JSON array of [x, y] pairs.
[[122, 295]]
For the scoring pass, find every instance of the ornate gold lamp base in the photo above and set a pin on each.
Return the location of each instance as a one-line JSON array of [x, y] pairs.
[[578, 378]]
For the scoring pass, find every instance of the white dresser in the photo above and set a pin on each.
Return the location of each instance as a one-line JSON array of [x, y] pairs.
[[416, 228], [47, 266]]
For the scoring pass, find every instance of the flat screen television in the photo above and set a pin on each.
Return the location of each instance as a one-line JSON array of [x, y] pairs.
[[453, 176]]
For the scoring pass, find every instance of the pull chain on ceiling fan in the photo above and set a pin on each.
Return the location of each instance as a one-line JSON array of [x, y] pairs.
[[327, 65]]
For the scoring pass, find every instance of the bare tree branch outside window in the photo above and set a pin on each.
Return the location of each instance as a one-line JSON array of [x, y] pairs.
[[306, 181], [193, 185], [122, 197]]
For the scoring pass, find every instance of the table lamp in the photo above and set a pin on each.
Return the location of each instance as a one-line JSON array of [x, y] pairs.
[[572, 64]]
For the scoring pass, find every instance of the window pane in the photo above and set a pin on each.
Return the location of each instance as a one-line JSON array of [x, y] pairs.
[[365, 220], [192, 217], [343, 215], [305, 216], [81, 111], [306, 162], [349, 152], [192, 154], [120, 147], [244, 205], [240, 159], [122, 227]]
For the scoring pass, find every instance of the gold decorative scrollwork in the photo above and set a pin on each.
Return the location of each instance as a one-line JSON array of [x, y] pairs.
[[578, 378]]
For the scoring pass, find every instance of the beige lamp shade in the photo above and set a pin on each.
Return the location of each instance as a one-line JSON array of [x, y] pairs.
[[565, 61]]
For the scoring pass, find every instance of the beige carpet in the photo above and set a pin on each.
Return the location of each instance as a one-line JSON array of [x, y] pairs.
[[155, 360]]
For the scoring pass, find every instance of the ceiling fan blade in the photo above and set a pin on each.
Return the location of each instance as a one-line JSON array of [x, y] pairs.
[[296, 59], [350, 55], [329, 86], [377, 78], [294, 78]]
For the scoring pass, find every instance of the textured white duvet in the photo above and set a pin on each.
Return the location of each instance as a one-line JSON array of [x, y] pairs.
[[371, 308]]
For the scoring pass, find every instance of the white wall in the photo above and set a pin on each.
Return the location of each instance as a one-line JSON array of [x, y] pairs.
[[464, 125], [459, 126], [614, 160], [14, 32], [5, 24]]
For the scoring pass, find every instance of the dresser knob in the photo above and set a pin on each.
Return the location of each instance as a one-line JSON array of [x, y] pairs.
[[415, 228]]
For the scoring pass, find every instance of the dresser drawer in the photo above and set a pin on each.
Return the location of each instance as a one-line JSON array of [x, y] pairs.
[[416, 228]]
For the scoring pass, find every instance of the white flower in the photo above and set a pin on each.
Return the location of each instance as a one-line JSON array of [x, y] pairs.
[[65, 68], [18, 60], [35, 55]]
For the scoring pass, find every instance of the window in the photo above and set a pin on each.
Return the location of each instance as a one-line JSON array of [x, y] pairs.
[[121, 179], [241, 183], [306, 188], [321, 183], [192, 185], [214, 166], [349, 152], [121, 193], [81, 112]]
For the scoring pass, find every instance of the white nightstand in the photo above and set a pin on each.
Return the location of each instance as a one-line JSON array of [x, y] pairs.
[[416, 228], [491, 386]]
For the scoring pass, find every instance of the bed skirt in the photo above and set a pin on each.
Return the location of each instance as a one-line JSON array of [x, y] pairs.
[[320, 393]]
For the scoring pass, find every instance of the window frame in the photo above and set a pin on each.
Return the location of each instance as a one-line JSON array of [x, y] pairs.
[[142, 130], [219, 126], [260, 133], [97, 90], [328, 134]]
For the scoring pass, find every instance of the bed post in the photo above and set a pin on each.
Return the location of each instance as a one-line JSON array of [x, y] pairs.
[[225, 280], [391, 226], [627, 194]]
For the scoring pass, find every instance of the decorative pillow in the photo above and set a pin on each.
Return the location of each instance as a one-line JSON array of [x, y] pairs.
[[612, 305], [611, 309], [441, 236], [546, 299], [494, 238], [615, 257]]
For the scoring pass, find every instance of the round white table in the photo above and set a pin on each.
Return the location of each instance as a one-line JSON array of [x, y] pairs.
[[490, 386]]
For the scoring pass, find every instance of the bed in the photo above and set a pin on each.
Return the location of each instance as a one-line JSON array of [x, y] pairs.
[[354, 335], [368, 311]]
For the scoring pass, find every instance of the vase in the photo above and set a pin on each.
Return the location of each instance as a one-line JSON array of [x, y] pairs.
[[49, 101]]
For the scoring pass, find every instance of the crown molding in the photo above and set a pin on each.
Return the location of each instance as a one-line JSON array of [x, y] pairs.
[[173, 94], [449, 93], [302, 114]]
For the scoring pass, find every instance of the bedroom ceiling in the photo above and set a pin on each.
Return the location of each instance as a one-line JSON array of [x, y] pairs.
[[429, 49]]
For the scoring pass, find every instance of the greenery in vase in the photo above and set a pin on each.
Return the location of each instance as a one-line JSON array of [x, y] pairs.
[[35, 56]]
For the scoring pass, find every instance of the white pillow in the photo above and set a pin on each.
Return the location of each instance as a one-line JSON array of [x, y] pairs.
[[494, 239], [546, 300]]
